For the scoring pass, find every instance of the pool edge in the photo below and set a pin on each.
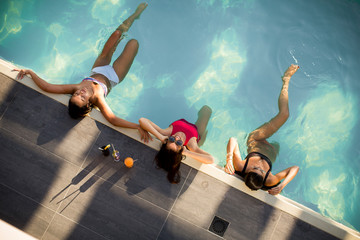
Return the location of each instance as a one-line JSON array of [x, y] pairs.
[[287, 205]]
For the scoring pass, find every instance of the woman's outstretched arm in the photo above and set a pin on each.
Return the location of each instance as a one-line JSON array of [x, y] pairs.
[[287, 174], [119, 122], [197, 153], [233, 157], [44, 85], [151, 127]]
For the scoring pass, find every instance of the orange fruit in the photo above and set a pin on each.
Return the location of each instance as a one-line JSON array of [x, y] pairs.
[[129, 162]]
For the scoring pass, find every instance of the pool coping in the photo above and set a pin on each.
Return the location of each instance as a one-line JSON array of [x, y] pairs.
[[285, 204], [8, 231]]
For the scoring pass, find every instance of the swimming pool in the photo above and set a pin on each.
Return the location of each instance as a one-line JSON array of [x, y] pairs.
[[226, 54]]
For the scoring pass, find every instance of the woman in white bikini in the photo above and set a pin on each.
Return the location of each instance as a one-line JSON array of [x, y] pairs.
[[256, 168], [92, 90]]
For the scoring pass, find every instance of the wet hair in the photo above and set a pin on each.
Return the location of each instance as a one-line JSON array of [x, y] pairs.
[[76, 112], [169, 160], [254, 181]]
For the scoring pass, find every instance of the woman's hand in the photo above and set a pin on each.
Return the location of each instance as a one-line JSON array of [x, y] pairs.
[[163, 139], [145, 136], [192, 150], [229, 168], [22, 73], [287, 174], [276, 190]]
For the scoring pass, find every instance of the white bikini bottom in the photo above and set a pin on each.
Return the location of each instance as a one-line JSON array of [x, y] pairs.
[[109, 72]]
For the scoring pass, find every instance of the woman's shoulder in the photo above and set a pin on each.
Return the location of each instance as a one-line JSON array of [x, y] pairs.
[[271, 181], [98, 99], [192, 143], [167, 131]]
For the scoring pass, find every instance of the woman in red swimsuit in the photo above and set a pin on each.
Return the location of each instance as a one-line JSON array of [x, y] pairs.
[[93, 90], [180, 138], [256, 168]]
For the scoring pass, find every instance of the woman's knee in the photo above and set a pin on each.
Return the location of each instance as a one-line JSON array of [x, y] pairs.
[[207, 109], [232, 140], [284, 115], [133, 44], [117, 34]]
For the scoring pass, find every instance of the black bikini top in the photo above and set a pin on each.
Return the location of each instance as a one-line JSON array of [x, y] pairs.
[[262, 156]]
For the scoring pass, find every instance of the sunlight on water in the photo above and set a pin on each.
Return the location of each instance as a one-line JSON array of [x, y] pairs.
[[329, 198], [323, 135], [56, 29], [125, 97], [107, 12], [222, 128], [225, 3], [215, 86], [164, 81], [334, 109], [12, 21], [58, 66], [60, 63], [221, 77]]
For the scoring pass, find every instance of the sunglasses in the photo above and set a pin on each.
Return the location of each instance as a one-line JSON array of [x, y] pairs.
[[177, 142]]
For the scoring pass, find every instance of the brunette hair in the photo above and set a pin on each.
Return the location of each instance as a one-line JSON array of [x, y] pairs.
[[169, 161], [76, 112], [254, 181]]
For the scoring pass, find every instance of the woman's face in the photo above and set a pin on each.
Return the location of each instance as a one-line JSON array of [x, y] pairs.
[[81, 97], [174, 143]]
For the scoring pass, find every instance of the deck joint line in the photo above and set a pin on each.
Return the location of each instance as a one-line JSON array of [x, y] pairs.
[[177, 196]]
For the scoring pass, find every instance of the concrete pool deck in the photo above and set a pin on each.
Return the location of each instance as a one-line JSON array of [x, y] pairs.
[[56, 184]]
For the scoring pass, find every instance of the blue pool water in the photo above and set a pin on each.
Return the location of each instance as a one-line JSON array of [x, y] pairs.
[[226, 54]]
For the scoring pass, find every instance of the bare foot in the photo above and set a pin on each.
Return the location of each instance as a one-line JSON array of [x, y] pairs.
[[124, 27], [140, 9], [289, 72]]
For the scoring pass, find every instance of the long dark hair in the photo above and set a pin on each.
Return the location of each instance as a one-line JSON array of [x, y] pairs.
[[254, 181], [76, 112], [170, 162]]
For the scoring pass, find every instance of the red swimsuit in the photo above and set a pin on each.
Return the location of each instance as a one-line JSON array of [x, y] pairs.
[[189, 129]]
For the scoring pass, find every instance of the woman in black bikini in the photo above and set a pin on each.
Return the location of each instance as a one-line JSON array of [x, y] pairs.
[[92, 91], [256, 168]]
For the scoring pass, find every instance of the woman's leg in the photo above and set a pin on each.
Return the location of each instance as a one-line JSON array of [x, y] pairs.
[[123, 63], [110, 46], [202, 122], [124, 27], [268, 129]]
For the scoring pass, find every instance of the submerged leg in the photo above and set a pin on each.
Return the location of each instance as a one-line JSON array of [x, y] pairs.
[[202, 122], [110, 46], [124, 27], [268, 129], [123, 63]]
